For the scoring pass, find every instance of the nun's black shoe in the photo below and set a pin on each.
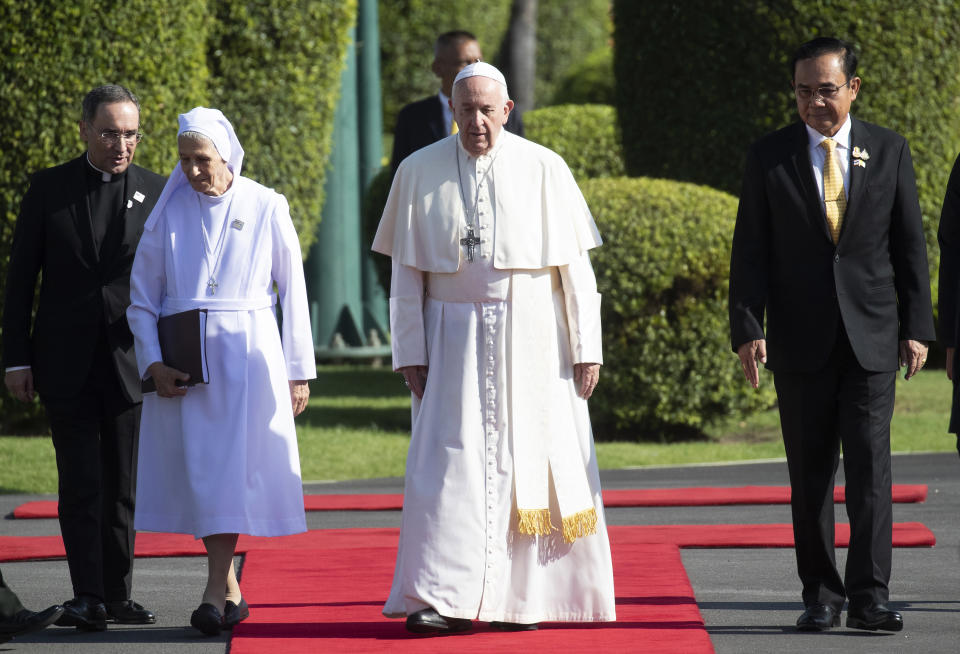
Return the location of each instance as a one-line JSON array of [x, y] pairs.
[[207, 620], [234, 614]]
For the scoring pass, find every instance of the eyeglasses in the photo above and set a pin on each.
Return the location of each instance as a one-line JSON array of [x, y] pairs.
[[825, 93], [112, 137]]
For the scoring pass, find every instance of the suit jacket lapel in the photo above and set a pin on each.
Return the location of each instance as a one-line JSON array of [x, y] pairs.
[[80, 210], [803, 169], [131, 217], [859, 137]]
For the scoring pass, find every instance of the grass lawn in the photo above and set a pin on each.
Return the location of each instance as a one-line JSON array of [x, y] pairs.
[[357, 426]]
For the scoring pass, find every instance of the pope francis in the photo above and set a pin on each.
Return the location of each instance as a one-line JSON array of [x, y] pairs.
[[495, 321]]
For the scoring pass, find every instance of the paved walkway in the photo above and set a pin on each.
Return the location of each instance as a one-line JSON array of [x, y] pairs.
[[749, 598]]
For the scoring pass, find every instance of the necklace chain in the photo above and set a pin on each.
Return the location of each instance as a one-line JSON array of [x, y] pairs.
[[212, 284], [472, 240]]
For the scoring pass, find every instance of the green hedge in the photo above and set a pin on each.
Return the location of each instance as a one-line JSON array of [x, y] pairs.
[[566, 31], [663, 273], [708, 78], [276, 75], [586, 136]]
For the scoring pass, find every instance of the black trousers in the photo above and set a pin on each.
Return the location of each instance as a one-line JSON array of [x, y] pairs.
[[95, 434], [841, 405]]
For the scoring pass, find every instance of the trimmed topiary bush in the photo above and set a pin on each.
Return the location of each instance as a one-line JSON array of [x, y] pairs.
[[663, 271], [708, 78], [586, 136]]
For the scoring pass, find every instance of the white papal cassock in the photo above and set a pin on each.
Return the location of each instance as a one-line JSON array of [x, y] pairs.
[[223, 458], [500, 336]]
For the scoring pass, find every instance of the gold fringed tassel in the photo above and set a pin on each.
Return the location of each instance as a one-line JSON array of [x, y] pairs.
[[534, 522], [579, 525]]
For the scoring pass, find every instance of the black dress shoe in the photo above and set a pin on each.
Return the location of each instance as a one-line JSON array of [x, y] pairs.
[[874, 617], [25, 622], [818, 617], [234, 614], [207, 620], [428, 621], [129, 612], [514, 626], [84, 613]]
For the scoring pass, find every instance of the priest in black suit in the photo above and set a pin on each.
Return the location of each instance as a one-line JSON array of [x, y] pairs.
[[428, 120], [78, 228], [829, 249]]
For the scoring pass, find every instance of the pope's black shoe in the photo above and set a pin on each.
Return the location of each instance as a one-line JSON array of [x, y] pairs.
[[818, 617], [129, 612], [25, 622], [514, 626], [428, 621], [84, 613], [874, 617], [234, 614]]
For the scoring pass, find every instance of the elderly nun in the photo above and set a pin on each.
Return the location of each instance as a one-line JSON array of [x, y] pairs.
[[220, 459]]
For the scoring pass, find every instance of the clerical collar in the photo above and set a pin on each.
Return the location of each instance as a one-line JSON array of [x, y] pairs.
[[104, 175]]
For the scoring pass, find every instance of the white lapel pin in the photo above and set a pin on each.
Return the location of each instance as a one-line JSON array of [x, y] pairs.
[[139, 197], [129, 203]]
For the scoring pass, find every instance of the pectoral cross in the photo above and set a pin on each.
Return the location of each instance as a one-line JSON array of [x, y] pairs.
[[212, 286], [470, 241]]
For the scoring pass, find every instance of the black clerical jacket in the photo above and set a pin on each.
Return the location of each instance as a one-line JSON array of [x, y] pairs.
[[85, 287]]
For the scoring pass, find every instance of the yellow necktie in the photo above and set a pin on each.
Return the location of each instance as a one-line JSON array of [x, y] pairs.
[[453, 127], [834, 199]]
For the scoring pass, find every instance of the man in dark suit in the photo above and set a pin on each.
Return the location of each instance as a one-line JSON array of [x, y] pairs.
[[829, 247], [948, 236], [427, 121], [79, 225]]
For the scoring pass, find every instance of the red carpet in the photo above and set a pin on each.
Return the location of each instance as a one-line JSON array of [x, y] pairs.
[[697, 496], [330, 600], [906, 534]]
